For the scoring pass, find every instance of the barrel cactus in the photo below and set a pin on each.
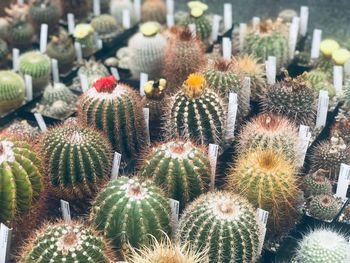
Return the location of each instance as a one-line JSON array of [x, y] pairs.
[[115, 109], [324, 207], [316, 184], [86, 36], [268, 180], [341, 126], [293, 98], [106, 27], [237, 234], [80, 8], [320, 80], [63, 242], [323, 246], [38, 66], [45, 12], [78, 160], [129, 211], [197, 112], [58, 91], [12, 91], [180, 168], [154, 10]]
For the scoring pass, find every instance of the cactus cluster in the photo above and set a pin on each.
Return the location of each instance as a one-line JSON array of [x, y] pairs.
[[45, 12], [316, 184], [129, 211], [106, 27], [225, 224], [12, 91], [154, 10], [324, 207], [78, 160]]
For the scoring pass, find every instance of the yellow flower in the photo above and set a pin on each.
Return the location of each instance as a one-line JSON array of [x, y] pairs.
[[149, 88], [197, 8], [340, 56], [83, 30], [194, 85], [328, 46], [150, 28]]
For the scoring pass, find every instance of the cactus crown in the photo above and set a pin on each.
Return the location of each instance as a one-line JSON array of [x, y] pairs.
[[298, 83], [105, 84], [17, 13], [186, 35], [155, 89], [194, 86], [268, 26], [223, 65], [247, 64]]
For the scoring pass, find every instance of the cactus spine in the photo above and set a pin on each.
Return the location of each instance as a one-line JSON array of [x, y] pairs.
[[129, 211], [324, 207], [45, 12], [12, 91], [316, 184], [154, 10], [225, 223]]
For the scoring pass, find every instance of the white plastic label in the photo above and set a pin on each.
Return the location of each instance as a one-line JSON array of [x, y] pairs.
[[143, 81], [116, 165], [305, 136], [170, 21], [15, 59], [338, 79], [137, 8], [227, 16], [78, 51], [175, 206], [71, 23], [84, 82], [316, 41], [29, 87], [65, 211], [304, 18], [322, 110], [231, 115], [293, 36], [5, 242], [256, 24], [271, 69], [115, 73], [55, 72], [263, 216], [146, 117], [97, 7], [347, 68], [192, 28], [43, 37], [126, 19], [247, 88], [170, 7], [242, 35], [343, 181], [226, 48], [40, 120], [213, 151], [99, 44], [215, 28], [20, 2]]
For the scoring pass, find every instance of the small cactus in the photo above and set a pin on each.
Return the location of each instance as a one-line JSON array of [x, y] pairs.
[[153, 10], [12, 91], [58, 91], [23, 129], [128, 211], [45, 12], [106, 27], [341, 126], [320, 81], [86, 36], [225, 224], [80, 8], [325, 62], [324, 207], [316, 184]]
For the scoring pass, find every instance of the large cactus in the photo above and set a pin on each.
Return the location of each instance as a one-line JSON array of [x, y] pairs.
[[130, 211], [12, 91], [225, 224]]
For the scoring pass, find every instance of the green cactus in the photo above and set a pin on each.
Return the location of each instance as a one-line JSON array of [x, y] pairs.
[[45, 12], [60, 242], [316, 184], [293, 98], [38, 66], [23, 129], [324, 207], [106, 27], [180, 168], [3, 52], [268, 180], [323, 246], [21, 182], [129, 211], [87, 37], [320, 81], [80, 8], [78, 160], [225, 223], [197, 112], [153, 10], [115, 109], [147, 51], [12, 91], [58, 91]]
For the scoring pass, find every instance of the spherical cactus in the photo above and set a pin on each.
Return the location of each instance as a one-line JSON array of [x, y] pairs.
[[78, 160], [268, 180], [293, 98], [86, 36], [325, 62], [21, 177], [184, 55], [316, 184], [320, 81], [146, 51], [23, 129], [62, 49], [324, 207], [80, 8], [224, 223], [197, 112], [115, 109], [12, 91], [62, 242], [129, 211], [3, 52], [154, 10], [106, 27], [45, 12], [323, 246], [341, 127], [180, 168], [58, 91], [38, 66], [269, 131]]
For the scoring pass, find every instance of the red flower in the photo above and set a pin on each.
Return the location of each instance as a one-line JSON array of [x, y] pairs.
[[105, 84]]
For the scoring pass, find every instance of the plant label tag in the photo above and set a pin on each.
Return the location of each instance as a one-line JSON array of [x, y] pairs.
[[231, 115], [43, 37], [271, 69], [137, 8], [304, 19], [316, 41], [256, 24], [347, 68], [293, 36], [322, 110], [15, 59], [143, 81], [226, 48], [78, 51], [228, 16], [338, 79], [40, 120], [55, 72], [116, 165], [126, 19], [213, 152], [192, 28], [115, 73], [170, 21], [175, 207], [5, 243], [263, 215], [215, 28], [146, 117], [71, 23], [20, 2], [170, 7], [242, 35], [97, 7], [84, 82], [247, 87], [305, 136], [99, 44], [29, 87], [66, 212], [343, 181]]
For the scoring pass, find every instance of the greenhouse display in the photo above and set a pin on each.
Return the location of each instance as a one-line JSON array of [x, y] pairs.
[[162, 131]]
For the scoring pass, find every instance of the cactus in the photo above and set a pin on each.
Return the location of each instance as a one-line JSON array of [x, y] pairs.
[[63, 242], [153, 10], [323, 246], [329, 155], [320, 81], [3, 52], [341, 127], [180, 168], [78, 160], [80, 8], [117, 7], [184, 55], [62, 49], [146, 51], [115, 109], [19, 32], [129, 211], [325, 62], [22, 181], [86, 36], [197, 112], [268, 131], [45, 12], [324, 207], [293, 98], [22, 128], [226, 224], [106, 27], [12, 91], [58, 91], [268, 180], [38, 66], [316, 184]]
